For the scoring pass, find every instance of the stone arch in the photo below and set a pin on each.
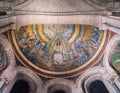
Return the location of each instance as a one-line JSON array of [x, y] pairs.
[[3, 58], [8, 51], [59, 88], [59, 84], [81, 80], [109, 52], [8, 74], [8, 23], [33, 81], [98, 77]]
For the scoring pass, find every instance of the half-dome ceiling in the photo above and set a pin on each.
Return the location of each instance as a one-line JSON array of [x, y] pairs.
[[58, 48]]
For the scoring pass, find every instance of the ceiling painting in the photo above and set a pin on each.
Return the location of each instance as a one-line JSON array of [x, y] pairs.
[[57, 47]]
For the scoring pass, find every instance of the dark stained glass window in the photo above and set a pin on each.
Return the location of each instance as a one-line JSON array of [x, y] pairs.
[[59, 91], [20, 86], [97, 87]]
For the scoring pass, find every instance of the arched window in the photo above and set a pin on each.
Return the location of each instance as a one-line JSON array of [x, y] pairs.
[[97, 86], [59, 91], [20, 86]]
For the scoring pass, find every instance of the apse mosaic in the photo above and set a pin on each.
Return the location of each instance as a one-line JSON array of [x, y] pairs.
[[3, 58], [58, 47]]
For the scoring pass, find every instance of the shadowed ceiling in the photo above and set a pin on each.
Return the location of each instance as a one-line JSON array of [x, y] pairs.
[[57, 6]]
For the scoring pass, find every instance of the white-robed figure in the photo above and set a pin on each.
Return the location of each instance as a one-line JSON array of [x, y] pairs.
[[58, 52]]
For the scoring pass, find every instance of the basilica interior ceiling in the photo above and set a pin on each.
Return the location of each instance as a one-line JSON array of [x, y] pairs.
[[52, 46], [57, 49]]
